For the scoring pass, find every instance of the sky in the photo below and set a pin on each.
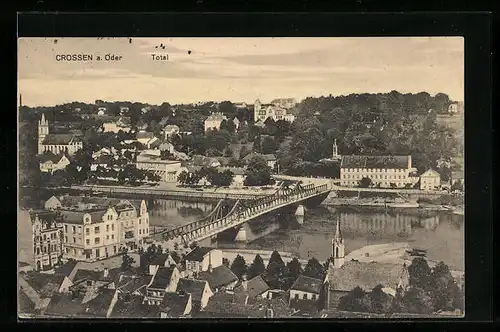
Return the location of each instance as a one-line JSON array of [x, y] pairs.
[[236, 69]]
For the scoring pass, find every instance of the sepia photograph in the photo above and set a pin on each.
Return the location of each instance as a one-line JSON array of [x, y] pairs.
[[271, 178]]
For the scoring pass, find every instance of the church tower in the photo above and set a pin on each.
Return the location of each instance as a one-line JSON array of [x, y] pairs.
[[338, 248], [43, 130], [256, 109]]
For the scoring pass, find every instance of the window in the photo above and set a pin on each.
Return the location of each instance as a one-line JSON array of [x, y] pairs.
[[87, 231], [139, 221], [97, 253], [304, 297], [96, 229], [65, 239], [66, 228], [44, 249], [44, 237], [139, 231], [107, 228], [97, 240], [112, 236], [107, 237], [74, 240], [87, 219], [74, 229], [114, 249], [38, 251], [296, 296], [88, 241], [113, 227], [314, 296]]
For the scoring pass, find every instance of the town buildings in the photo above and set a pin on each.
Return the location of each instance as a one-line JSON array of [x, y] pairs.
[[214, 121], [47, 240], [277, 110], [122, 123], [168, 170], [96, 229], [430, 180], [49, 162], [201, 259], [383, 171], [56, 143], [171, 130]]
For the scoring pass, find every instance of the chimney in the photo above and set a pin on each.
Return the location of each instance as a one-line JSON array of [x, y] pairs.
[[106, 272], [244, 282]]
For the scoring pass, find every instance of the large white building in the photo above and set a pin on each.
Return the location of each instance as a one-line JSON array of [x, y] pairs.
[[275, 111], [150, 160], [430, 180], [56, 143], [98, 228], [214, 121], [383, 171]]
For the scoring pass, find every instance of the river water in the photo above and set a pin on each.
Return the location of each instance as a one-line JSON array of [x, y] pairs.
[[440, 233]]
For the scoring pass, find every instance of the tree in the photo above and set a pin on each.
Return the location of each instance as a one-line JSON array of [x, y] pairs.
[[256, 268], [257, 172], [276, 275], [457, 185], [416, 300], [127, 262], [443, 287], [268, 145], [356, 300], [293, 271], [365, 182], [276, 258], [183, 177], [244, 151], [239, 266], [420, 273], [314, 269], [380, 301]]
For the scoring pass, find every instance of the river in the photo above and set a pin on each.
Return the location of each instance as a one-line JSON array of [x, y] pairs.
[[440, 233]]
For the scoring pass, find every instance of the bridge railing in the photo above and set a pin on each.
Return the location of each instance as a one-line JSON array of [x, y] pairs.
[[261, 206]]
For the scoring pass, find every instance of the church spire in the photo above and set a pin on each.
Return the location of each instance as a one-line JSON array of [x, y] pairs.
[[338, 247], [338, 233]]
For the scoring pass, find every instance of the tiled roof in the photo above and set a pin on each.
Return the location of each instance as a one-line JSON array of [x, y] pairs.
[[197, 254], [99, 305], [64, 305], [355, 161], [219, 277], [430, 173], [44, 284], [131, 306], [365, 275], [162, 278], [174, 304], [227, 306], [255, 287], [83, 274], [193, 287], [144, 134], [159, 260], [307, 284], [76, 217], [59, 139], [66, 268]]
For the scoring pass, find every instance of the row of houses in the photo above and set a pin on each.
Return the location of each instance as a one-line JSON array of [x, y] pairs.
[[81, 228]]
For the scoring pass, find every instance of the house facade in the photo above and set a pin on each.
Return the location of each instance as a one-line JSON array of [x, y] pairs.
[[165, 280], [273, 110], [201, 259], [49, 163], [214, 121], [47, 239], [383, 171], [430, 180], [166, 169], [97, 231]]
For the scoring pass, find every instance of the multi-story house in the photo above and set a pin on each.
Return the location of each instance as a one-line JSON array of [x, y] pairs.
[[97, 229], [47, 239], [430, 180], [383, 171], [166, 169], [214, 121], [165, 280], [202, 259], [274, 110]]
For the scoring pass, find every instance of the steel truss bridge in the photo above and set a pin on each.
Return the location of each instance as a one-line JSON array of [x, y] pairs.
[[226, 215]]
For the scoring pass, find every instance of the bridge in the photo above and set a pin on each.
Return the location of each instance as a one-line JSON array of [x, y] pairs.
[[226, 215]]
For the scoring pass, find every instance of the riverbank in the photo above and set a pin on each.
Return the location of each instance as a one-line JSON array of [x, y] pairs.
[[249, 255]]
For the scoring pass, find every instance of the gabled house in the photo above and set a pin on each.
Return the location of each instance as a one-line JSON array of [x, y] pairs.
[[219, 278], [171, 130], [133, 306], [255, 287], [305, 292], [73, 306], [164, 281], [50, 162], [162, 260], [176, 305], [201, 258], [199, 289]]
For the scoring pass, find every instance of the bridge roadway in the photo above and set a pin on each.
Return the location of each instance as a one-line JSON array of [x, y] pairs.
[[241, 212]]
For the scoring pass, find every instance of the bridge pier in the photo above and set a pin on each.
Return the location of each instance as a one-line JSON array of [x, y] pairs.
[[242, 234], [300, 213]]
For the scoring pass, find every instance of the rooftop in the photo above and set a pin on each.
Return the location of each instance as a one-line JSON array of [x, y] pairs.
[[45, 285], [60, 139], [144, 135], [356, 161], [193, 287], [219, 277], [76, 217], [162, 278], [307, 284], [132, 306], [365, 275], [174, 304], [197, 254], [254, 288]]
